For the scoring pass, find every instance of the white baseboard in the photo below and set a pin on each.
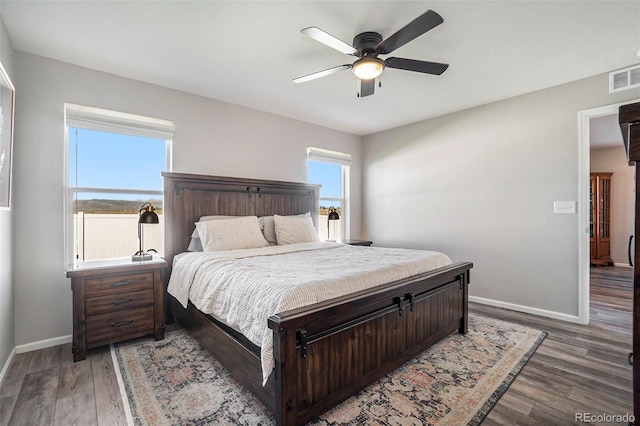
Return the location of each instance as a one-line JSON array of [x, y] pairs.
[[5, 368], [34, 346], [527, 309], [41, 344], [622, 265]]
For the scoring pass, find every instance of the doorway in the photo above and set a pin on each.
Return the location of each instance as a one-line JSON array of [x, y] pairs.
[[584, 170]]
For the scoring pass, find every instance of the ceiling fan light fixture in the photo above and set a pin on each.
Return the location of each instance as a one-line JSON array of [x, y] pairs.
[[368, 68]]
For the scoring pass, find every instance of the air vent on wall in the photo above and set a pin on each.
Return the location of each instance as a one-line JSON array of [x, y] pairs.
[[627, 78]]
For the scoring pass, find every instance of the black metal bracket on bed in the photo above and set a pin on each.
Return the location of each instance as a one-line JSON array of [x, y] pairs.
[[410, 298], [258, 191], [302, 341], [401, 301]]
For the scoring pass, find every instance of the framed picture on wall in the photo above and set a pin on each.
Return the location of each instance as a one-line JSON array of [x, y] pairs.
[[7, 97]]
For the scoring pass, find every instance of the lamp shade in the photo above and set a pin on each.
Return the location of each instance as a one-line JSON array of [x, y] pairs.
[[333, 214], [148, 215]]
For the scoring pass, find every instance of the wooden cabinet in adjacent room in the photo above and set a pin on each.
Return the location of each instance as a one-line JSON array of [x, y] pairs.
[[600, 218]]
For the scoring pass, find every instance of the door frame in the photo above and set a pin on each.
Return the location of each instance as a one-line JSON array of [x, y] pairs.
[[584, 169]]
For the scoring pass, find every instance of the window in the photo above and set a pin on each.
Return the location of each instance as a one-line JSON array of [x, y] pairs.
[[114, 161], [331, 170]]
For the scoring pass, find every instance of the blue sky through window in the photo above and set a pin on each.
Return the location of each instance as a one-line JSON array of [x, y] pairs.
[[327, 174], [109, 160]]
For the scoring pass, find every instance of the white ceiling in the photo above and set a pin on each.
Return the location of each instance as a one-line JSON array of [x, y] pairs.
[[604, 132], [247, 52]]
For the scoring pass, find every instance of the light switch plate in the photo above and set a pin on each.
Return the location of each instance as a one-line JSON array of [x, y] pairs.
[[564, 207]]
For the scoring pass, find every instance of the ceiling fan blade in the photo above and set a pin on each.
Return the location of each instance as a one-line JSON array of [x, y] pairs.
[[323, 73], [415, 65], [329, 40], [366, 87], [413, 29]]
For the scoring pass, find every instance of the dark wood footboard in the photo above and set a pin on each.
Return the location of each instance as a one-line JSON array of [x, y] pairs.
[[329, 352]]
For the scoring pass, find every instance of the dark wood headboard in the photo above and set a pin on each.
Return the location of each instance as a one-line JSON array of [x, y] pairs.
[[187, 197]]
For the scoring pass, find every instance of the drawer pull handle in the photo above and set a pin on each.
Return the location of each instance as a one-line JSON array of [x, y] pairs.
[[121, 283], [117, 302], [121, 323]]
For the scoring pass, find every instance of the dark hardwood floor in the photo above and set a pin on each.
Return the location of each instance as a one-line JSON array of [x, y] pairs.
[[577, 369]]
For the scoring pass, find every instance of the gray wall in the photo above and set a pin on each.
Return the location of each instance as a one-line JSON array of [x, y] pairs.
[[614, 160], [7, 336], [480, 185], [211, 137]]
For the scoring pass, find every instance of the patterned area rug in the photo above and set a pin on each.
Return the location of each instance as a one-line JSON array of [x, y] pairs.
[[457, 381]]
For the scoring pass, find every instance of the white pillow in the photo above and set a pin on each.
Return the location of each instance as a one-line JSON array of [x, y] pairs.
[[195, 244], [269, 227], [295, 229], [231, 234]]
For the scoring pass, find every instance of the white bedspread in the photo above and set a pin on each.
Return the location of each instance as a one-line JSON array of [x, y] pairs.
[[245, 287]]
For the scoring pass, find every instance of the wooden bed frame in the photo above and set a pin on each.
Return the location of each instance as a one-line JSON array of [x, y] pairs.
[[326, 352]]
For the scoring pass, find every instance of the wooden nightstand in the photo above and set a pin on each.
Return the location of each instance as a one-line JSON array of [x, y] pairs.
[[357, 242], [116, 300]]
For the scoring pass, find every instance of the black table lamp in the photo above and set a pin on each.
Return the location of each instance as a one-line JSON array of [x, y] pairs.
[[332, 223], [146, 214]]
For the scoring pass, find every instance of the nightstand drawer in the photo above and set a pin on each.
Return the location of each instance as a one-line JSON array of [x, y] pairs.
[[118, 302], [120, 325], [118, 284]]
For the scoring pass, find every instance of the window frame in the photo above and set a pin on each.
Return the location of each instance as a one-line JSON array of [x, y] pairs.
[[91, 118], [342, 159]]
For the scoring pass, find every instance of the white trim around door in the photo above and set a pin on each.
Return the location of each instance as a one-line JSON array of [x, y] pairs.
[[584, 168]]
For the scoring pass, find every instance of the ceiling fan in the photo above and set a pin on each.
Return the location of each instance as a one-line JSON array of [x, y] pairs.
[[368, 45]]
